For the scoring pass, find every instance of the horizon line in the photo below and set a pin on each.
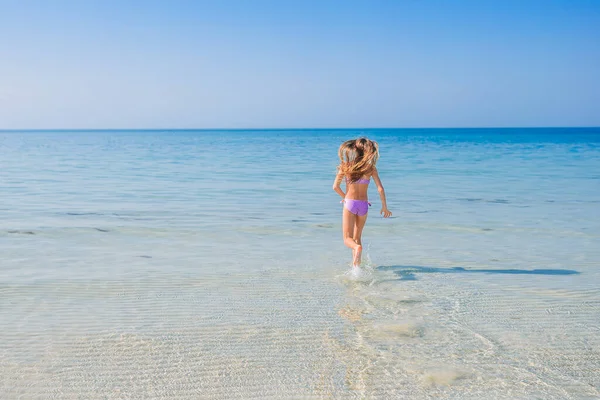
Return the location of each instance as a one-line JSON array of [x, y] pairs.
[[289, 129]]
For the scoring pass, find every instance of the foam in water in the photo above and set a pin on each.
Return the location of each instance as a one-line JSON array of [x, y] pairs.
[[359, 274], [364, 271]]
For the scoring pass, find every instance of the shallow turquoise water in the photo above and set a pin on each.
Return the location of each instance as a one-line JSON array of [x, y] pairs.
[[209, 264]]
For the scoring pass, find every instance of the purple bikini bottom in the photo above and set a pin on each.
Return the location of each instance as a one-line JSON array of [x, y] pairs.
[[357, 207]]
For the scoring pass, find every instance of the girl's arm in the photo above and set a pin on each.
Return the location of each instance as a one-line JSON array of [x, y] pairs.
[[384, 210], [337, 185]]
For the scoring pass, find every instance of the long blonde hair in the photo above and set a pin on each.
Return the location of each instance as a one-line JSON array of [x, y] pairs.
[[357, 158]]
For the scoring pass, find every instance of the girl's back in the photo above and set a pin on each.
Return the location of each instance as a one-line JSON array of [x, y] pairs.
[[358, 190]]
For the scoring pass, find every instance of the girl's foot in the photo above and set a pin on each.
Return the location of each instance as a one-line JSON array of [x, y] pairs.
[[357, 255]]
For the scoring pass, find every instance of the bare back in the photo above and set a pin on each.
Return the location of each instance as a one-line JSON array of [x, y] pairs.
[[356, 190]]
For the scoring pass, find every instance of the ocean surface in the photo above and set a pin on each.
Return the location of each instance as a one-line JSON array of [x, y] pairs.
[[209, 265]]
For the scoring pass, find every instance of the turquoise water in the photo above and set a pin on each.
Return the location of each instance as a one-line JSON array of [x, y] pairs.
[[209, 264]]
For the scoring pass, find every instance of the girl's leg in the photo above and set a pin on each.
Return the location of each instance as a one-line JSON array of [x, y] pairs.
[[359, 224], [348, 224]]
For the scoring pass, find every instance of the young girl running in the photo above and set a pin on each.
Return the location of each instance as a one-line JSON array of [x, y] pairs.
[[357, 166]]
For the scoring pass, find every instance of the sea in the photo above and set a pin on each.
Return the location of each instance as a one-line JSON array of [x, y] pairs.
[[209, 264]]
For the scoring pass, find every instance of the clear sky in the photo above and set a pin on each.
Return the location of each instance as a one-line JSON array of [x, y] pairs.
[[300, 63]]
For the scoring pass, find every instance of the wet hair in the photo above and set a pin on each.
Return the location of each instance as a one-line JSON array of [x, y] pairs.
[[357, 158]]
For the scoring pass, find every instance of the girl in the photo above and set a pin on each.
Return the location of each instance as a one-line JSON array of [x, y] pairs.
[[357, 165]]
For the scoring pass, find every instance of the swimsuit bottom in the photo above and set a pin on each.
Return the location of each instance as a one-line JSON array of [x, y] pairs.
[[357, 207]]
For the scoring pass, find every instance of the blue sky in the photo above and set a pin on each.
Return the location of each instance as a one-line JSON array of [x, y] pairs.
[[294, 64]]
